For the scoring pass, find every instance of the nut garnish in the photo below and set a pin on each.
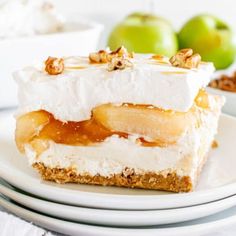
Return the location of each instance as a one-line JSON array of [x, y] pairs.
[[225, 82], [54, 66], [119, 63], [105, 56], [99, 57], [186, 59], [117, 60], [122, 52], [127, 172]]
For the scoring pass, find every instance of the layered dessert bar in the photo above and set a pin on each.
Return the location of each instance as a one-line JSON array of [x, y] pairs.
[[118, 118]]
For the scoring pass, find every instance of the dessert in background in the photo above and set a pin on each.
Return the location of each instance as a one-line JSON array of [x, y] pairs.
[[118, 118], [28, 17], [144, 33], [30, 30], [225, 82], [211, 37]]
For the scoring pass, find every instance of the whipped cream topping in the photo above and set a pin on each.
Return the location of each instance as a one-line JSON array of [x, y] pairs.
[[28, 17], [110, 157], [72, 95]]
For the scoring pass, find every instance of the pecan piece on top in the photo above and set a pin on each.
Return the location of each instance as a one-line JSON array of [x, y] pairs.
[[122, 52], [98, 57], [54, 66], [119, 63], [186, 59], [105, 56]]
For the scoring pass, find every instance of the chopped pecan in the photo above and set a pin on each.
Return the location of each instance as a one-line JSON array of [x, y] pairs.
[[119, 63], [98, 57], [127, 172], [186, 59], [104, 56], [225, 82], [54, 66], [122, 52]]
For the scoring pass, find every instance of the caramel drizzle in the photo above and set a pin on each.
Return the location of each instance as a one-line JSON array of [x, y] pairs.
[[173, 72], [75, 67], [164, 63]]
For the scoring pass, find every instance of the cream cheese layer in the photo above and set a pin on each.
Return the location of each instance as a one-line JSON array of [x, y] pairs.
[[72, 95]]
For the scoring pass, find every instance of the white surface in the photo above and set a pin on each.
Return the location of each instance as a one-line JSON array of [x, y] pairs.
[[72, 95], [218, 178], [210, 225], [115, 217], [13, 226], [19, 52]]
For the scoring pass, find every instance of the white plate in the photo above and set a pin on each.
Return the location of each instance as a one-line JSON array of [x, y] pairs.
[[218, 179], [203, 226], [116, 217]]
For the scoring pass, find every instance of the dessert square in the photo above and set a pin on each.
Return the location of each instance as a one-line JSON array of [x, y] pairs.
[[118, 118]]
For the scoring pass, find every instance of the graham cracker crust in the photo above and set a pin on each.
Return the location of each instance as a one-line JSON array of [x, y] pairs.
[[154, 181]]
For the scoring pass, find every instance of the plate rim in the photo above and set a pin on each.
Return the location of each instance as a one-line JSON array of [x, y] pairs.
[[92, 230], [119, 217]]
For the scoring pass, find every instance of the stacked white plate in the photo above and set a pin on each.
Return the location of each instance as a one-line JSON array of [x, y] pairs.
[[94, 210]]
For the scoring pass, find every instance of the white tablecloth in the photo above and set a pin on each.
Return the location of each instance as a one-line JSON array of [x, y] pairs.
[[11, 225]]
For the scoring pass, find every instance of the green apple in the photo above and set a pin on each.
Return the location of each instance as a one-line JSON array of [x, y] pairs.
[[144, 33], [212, 38]]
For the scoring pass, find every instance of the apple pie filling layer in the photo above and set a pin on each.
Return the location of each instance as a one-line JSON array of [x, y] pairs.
[[115, 154], [152, 126]]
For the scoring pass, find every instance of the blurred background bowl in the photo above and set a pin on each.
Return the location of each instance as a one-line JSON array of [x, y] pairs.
[[78, 38], [230, 104]]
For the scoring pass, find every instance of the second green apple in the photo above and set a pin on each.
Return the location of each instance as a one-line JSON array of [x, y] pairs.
[[211, 37], [144, 33]]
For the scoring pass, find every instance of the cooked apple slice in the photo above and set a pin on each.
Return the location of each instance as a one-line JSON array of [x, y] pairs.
[[28, 126], [39, 145], [202, 99], [161, 126]]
